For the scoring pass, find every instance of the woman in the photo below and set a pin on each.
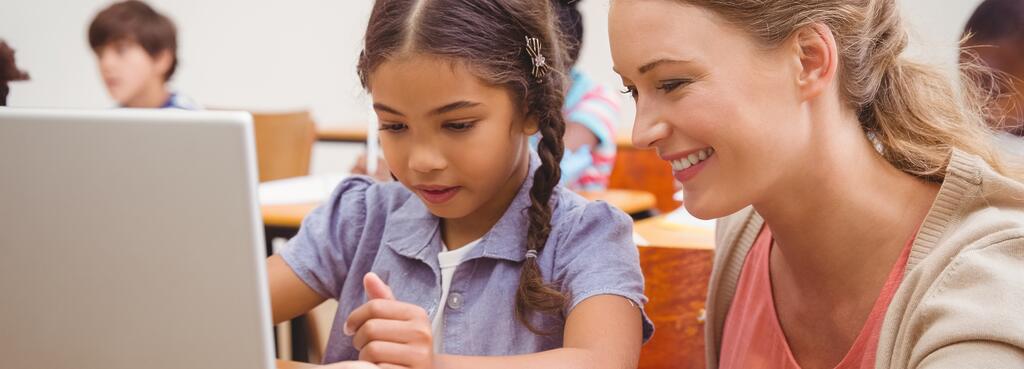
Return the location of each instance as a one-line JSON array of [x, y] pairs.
[[871, 226]]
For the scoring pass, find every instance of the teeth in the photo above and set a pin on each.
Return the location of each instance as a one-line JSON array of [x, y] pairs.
[[692, 159]]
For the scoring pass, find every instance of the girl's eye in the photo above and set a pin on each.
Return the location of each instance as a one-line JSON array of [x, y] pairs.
[[459, 126], [669, 86], [393, 127], [629, 90]]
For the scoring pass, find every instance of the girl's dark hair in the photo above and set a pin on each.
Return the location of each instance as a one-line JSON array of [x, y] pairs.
[[489, 38]]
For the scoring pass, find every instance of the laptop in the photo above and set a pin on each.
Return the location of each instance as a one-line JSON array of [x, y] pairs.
[[131, 239]]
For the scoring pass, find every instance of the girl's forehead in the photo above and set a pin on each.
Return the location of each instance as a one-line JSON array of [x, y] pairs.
[[420, 85]]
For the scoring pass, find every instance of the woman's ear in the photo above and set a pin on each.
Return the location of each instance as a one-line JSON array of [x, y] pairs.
[[818, 59]]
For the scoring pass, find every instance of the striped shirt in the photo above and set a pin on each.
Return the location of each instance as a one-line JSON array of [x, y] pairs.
[[596, 108]]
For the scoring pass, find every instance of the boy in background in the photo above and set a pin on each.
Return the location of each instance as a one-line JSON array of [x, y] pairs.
[[136, 49]]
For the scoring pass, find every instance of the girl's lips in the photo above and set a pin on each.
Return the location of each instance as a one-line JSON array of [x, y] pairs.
[[437, 194]]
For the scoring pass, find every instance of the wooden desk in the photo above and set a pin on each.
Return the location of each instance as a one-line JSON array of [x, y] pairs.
[[629, 201], [633, 202], [282, 364], [286, 216], [661, 233], [347, 133]]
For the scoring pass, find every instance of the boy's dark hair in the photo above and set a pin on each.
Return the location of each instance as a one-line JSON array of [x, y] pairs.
[[8, 71], [489, 37], [135, 21], [997, 20]]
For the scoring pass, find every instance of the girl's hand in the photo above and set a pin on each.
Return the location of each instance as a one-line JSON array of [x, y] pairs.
[[388, 332]]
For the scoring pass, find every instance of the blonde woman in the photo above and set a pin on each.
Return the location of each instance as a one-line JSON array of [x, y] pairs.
[[868, 223]]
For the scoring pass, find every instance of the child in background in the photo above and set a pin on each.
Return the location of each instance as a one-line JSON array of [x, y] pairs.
[[591, 113], [136, 49], [996, 37], [487, 262], [9, 71]]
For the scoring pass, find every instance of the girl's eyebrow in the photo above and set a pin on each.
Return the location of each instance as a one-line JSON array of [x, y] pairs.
[[464, 104], [387, 109], [454, 106]]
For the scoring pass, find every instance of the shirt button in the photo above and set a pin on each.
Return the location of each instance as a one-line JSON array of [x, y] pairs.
[[455, 301]]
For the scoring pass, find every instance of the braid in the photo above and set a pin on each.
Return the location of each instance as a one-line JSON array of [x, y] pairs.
[[533, 295]]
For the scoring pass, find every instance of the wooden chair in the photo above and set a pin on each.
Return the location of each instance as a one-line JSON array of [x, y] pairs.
[[677, 268], [284, 144], [320, 320], [676, 282], [637, 169]]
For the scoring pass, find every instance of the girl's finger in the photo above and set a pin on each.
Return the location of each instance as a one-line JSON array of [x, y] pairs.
[[383, 309], [383, 352], [390, 330], [376, 288]]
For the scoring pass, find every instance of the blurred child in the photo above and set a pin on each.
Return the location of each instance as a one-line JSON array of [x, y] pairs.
[[9, 71], [136, 49]]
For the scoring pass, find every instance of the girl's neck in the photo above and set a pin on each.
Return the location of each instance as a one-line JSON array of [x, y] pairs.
[[457, 232], [844, 219]]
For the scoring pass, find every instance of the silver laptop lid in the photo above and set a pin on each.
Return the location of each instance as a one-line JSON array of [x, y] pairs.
[[131, 239]]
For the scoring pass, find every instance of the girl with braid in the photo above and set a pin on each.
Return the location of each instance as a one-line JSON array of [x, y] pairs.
[[475, 257]]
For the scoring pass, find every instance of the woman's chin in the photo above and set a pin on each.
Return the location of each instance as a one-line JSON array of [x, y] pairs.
[[707, 210]]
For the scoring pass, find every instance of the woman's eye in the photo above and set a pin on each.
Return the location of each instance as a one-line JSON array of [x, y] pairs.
[[459, 126], [629, 90], [392, 127], [669, 86]]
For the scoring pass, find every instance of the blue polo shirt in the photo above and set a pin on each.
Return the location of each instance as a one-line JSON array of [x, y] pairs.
[[367, 226]]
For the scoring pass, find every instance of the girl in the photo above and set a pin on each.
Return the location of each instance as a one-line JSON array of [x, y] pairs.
[[873, 227], [486, 262], [590, 110]]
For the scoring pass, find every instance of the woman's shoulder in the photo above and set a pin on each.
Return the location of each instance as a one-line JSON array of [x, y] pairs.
[[975, 208]]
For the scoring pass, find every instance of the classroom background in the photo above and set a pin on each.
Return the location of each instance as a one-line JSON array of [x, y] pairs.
[[281, 56]]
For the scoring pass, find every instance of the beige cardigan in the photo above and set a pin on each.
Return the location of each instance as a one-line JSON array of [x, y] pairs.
[[961, 301]]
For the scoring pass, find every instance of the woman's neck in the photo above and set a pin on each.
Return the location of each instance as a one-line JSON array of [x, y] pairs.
[[841, 224]]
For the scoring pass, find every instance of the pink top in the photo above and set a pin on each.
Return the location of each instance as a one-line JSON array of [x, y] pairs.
[[752, 336]]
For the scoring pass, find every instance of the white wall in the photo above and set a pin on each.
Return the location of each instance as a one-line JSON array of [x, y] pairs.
[[275, 55]]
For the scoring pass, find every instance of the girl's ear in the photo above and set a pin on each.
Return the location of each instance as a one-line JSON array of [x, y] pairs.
[[531, 125]]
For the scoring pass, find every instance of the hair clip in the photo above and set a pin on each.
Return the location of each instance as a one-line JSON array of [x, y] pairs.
[[540, 64], [531, 254]]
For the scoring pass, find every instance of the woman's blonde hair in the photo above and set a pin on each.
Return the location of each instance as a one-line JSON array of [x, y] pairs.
[[911, 110]]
